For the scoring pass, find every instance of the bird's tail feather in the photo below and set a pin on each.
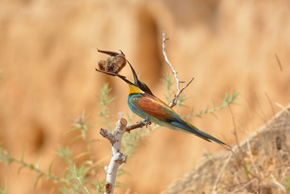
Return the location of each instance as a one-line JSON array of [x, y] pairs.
[[207, 136], [192, 129]]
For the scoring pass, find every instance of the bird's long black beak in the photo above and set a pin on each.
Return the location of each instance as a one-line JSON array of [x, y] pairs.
[[136, 80], [115, 74]]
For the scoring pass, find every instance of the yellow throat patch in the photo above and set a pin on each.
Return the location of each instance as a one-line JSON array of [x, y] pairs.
[[135, 89]]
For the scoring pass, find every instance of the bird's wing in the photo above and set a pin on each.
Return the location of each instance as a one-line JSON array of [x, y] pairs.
[[152, 106], [155, 107]]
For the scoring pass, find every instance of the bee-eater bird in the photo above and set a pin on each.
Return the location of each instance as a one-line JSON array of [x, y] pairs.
[[146, 105], [143, 103]]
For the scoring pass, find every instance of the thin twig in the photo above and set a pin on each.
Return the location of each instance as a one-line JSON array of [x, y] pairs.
[[168, 62], [279, 62], [240, 151], [277, 183], [276, 125], [174, 101], [235, 132], [271, 105], [284, 173], [179, 91], [252, 158], [283, 108], [48, 175], [220, 173], [84, 187], [258, 174], [244, 186]]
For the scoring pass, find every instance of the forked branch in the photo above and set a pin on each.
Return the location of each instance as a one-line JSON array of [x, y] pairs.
[[179, 91], [115, 137]]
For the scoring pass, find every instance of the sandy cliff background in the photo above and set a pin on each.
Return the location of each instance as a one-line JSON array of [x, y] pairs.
[[48, 52]]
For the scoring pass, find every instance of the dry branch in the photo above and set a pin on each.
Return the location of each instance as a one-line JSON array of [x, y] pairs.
[[179, 91], [138, 124], [115, 137]]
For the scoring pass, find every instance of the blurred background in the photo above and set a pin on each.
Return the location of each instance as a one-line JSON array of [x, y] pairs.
[[48, 52]]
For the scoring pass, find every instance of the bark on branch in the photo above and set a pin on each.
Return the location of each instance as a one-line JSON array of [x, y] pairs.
[[115, 137]]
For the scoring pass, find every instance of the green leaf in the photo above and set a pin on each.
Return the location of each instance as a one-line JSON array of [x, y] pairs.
[[37, 179], [37, 164], [50, 167], [65, 152], [99, 185], [32, 167], [228, 99], [121, 172], [105, 97], [20, 168], [22, 154], [168, 81], [93, 141], [76, 138], [3, 190], [120, 185]]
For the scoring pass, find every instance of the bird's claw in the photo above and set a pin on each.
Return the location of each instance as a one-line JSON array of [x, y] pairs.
[[147, 122], [144, 123]]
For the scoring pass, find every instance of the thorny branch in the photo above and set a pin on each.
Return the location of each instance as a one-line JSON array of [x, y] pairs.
[[179, 91]]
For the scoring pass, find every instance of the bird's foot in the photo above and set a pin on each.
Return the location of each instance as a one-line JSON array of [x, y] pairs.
[[144, 123], [147, 122]]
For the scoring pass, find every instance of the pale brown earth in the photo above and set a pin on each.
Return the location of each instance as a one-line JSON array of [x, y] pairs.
[[265, 153], [48, 55]]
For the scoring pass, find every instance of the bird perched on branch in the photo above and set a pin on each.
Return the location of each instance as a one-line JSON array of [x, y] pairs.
[[146, 105]]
